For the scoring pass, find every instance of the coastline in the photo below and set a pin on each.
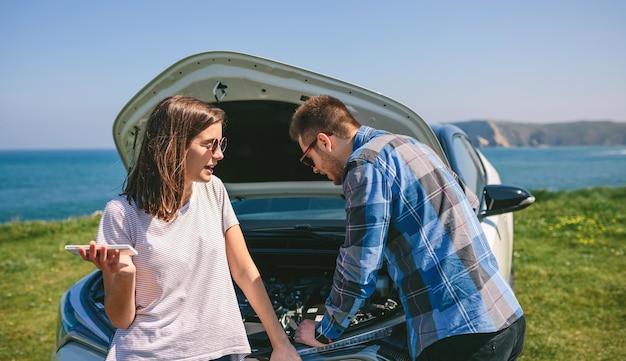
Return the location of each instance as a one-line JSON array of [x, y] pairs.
[[57, 185]]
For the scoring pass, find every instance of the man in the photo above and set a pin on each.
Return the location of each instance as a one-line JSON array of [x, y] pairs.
[[404, 206]]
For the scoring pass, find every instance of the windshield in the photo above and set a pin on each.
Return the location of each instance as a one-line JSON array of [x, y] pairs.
[[312, 208]]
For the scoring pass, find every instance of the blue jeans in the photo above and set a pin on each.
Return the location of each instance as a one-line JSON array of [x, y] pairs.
[[503, 345]]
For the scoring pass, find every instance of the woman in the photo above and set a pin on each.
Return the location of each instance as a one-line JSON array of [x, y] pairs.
[[175, 299]]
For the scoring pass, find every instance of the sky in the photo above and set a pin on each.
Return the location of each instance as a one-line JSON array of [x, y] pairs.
[[68, 67]]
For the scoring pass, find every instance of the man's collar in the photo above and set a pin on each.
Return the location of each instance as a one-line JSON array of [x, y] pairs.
[[363, 135]]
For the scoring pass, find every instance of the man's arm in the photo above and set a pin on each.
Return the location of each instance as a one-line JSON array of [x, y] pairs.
[[368, 214]]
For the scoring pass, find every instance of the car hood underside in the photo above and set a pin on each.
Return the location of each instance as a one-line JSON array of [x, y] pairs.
[[259, 97]]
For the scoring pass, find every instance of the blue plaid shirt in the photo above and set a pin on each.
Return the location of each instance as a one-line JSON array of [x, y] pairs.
[[403, 205]]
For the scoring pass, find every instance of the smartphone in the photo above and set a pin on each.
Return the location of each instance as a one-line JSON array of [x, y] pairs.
[[124, 249]]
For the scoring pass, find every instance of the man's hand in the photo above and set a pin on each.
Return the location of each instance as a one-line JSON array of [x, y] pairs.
[[305, 334]]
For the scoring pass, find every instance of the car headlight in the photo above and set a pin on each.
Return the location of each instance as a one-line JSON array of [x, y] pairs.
[[74, 323]]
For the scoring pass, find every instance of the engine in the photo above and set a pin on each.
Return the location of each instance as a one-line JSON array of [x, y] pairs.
[[304, 298]]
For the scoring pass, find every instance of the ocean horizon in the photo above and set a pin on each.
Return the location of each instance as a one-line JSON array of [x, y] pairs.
[[52, 185]]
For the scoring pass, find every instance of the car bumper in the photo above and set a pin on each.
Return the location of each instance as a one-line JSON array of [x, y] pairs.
[[75, 351]]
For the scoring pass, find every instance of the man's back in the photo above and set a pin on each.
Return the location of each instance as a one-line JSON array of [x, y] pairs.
[[400, 196]]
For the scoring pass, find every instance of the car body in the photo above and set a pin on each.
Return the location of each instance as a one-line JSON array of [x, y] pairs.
[[293, 219]]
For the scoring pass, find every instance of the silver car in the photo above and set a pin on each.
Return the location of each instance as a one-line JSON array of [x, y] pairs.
[[293, 219]]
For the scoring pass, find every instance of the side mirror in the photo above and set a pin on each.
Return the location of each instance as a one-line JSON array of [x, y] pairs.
[[500, 198]]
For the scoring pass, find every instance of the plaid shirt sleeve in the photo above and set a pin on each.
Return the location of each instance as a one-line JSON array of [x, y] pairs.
[[368, 213]]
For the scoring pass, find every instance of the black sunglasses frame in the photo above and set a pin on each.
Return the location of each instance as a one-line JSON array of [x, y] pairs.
[[307, 161]]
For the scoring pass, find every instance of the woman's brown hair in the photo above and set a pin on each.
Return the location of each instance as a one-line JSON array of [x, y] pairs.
[[157, 180]]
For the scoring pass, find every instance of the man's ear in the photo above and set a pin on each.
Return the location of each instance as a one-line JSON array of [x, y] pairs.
[[325, 140]]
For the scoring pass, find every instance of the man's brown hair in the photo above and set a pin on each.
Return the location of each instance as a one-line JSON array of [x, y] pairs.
[[321, 113]]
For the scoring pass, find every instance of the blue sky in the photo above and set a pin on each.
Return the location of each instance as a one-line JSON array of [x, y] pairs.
[[68, 67]]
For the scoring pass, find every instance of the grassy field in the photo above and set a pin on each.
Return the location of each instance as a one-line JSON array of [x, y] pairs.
[[570, 274], [569, 259]]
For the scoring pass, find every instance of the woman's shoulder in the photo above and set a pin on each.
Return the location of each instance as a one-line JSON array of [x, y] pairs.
[[120, 204], [120, 199], [214, 188]]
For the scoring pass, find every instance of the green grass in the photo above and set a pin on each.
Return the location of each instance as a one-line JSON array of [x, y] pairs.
[[569, 277], [570, 274], [35, 271]]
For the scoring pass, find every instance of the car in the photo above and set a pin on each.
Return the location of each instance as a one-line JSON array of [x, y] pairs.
[[292, 218]]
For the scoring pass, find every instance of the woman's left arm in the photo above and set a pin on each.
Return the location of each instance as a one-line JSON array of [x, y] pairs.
[[248, 278]]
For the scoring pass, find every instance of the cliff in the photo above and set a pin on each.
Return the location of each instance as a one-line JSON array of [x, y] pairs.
[[489, 133]]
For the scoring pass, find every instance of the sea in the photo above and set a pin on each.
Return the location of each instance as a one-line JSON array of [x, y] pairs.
[[52, 185]]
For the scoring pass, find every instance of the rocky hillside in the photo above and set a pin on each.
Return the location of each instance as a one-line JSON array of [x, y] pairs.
[[488, 133]]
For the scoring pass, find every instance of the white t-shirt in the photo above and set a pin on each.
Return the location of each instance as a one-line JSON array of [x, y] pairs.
[[187, 308]]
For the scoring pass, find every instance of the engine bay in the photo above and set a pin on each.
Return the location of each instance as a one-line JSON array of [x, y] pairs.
[[304, 298]]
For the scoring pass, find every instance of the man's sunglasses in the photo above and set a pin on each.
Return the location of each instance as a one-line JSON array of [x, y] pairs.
[[306, 160]]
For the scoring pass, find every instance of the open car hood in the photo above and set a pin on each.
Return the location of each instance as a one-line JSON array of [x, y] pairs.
[[259, 96]]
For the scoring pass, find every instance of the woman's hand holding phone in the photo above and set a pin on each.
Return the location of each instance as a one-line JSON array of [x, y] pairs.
[[108, 260]]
